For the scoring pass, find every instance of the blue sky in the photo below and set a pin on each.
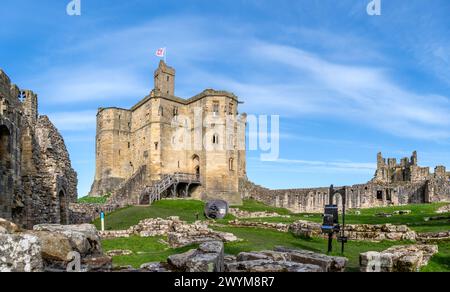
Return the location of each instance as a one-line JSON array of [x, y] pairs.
[[346, 85]]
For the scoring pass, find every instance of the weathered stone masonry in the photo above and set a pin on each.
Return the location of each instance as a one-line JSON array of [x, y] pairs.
[[393, 184], [37, 181], [134, 147]]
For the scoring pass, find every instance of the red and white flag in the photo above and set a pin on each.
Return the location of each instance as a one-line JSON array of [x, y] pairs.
[[161, 53]]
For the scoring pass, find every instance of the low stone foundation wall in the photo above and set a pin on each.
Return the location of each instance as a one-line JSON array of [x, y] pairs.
[[433, 237], [210, 257], [353, 232], [408, 258], [444, 209], [179, 233], [241, 214], [358, 232], [86, 213], [265, 225]]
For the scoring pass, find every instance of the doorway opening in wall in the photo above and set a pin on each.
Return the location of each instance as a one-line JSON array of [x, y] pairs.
[[196, 164], [380, 195], [4, 148], [62, 208], [388, 195], [197, 172]]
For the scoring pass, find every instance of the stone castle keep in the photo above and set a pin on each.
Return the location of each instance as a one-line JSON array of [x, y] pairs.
[[37, 181], [393, 184], [137, 163]]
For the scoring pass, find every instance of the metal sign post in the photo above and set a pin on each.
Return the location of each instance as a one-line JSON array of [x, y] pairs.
[[330, 224], [102, 218]]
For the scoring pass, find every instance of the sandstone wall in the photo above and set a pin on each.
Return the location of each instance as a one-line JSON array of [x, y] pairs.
[[144, 136], [358, 196], [37, 181]]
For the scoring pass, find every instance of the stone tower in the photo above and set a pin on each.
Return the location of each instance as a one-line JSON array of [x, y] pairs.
[[165, 79], [138, 147]]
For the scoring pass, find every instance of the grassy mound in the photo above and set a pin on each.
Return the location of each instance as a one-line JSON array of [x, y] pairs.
[[187, 210]]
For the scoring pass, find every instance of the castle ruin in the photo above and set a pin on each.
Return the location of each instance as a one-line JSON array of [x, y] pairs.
[[137, 160], [37, 182], [393, 184]]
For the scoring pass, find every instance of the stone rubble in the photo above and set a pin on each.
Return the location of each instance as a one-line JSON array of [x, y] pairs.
[[242, 214], [363, 232], [444, 209], [265, 225], [283, 259], [47, 248], [433, 237], [20, 253], [179, 233], [83, 238], [209, 257], [408, 258], [118, 252]]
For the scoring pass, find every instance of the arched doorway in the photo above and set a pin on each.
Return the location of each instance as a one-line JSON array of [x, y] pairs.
[[62, 208], [5, 155], [197, 172], [196, 165]]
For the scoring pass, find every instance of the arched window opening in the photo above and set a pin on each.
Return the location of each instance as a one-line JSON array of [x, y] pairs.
[[231, 164], [215, 139], [62, 208]]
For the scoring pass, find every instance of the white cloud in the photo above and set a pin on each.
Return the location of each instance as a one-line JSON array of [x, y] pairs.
[[273, 78], [332, 164], [74, 121]]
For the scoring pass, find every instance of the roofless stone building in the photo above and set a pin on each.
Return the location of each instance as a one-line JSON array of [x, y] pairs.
[[37, 181], [394, 183]]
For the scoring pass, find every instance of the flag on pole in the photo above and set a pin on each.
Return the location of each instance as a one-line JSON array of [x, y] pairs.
[[161, 53]]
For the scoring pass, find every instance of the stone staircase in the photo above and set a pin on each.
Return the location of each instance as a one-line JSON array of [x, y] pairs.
[[168, 182], [125, 194]]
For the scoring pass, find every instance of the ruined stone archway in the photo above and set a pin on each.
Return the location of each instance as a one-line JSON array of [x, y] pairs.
[[5, 153], [62, 208]]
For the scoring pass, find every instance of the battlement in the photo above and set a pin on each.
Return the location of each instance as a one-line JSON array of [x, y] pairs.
[[29, 102], [408, 170], [165, 79], [392, 162]]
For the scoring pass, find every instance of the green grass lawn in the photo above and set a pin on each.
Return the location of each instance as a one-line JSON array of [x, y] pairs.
[[255, 206], [441, 261], [185, 209], [253, 239], [145, 250], [151, 249], [415, 220]]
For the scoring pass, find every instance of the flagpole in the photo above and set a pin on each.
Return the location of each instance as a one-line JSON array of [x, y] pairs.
[[165, 55]]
